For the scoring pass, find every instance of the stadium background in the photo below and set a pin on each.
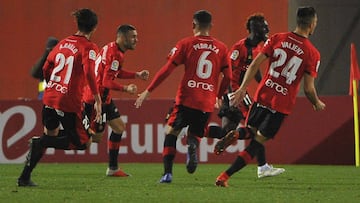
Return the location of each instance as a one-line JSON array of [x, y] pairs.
[[307, 137]]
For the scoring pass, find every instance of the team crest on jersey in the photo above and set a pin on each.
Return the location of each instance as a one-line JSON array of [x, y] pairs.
[[92, 55], [234, 55], [115, 65]]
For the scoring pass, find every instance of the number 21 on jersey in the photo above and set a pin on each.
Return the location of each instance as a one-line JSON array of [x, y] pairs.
[[62, 62]]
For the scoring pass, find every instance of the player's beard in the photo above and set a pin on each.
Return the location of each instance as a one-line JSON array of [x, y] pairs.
[[129, 45]]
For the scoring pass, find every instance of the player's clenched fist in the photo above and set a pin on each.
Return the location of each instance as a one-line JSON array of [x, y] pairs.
[[131, 89], [144, 74]]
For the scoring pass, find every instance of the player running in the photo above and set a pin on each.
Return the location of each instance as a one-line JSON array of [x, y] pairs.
[[204, 58], [69, 66], [109, 66], [241, 55], [291, 58]]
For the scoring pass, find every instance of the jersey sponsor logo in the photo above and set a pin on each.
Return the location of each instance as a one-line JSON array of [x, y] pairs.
[[234, 55], [92, 55], [200, 85], [56, 86], [115, 65], [276, 86]]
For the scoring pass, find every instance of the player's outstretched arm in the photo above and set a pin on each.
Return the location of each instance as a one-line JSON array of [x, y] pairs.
[[160, 76], [240, 93], [142, 96]]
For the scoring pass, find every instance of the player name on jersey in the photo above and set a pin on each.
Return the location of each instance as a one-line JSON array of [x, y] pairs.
[[69, 46], [292, 47], [206, 46]]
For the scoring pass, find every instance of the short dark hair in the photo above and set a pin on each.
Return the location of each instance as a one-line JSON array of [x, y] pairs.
[[86, 19], [203, 18], [125, 28], [305, 16], [257, 17]]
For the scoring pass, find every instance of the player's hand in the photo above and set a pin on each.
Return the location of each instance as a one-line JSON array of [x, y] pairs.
[[236, 97], [131, 89], [141, 98], [144, 74], [218, 103], [97, 107], [97, 137], [319, 106]]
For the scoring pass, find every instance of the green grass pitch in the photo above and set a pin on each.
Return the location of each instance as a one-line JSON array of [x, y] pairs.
[[88, 183]]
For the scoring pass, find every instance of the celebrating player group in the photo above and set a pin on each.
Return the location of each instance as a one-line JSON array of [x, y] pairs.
[[77, 101]]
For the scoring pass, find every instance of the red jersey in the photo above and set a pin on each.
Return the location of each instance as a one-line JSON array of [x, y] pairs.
[[108, 67], [204, 58], [290, 57], [240, 59], [68, 68]]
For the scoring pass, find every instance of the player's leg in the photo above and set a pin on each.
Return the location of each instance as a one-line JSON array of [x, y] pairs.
[[261, 156], [192, 142], [32, 158], [198, 121], [267, 124], [37, 149], [231, 118], [243, 158], [263, 169], [270, 128], [74, 133], [98, 128], [72, 126], [174, 126], [114, 142]]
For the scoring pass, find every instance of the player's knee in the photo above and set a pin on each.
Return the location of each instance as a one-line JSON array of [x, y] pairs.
[[260, 138], [52, 124], [118, 127]]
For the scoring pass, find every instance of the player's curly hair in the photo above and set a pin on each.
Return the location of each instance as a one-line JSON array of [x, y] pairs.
[[257, 17], [86, 19]]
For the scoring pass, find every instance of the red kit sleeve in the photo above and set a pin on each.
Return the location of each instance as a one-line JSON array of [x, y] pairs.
[[89, 58], [161, 75]]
